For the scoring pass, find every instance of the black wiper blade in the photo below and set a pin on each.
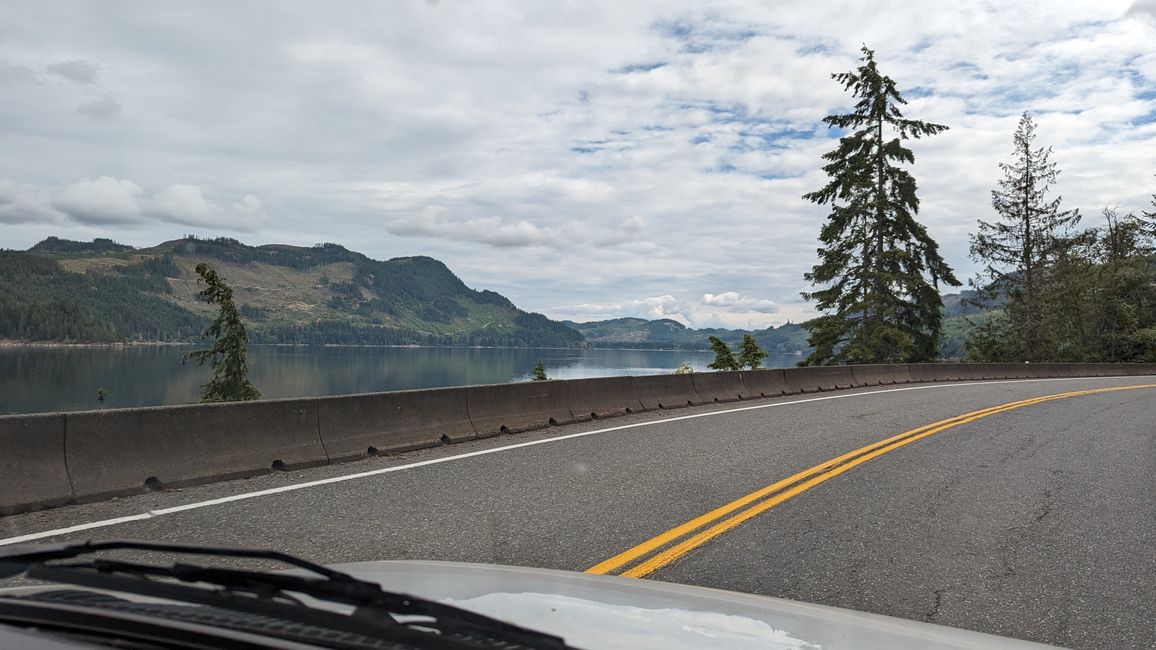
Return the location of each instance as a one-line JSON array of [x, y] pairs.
[[66, 550], [371, 604]]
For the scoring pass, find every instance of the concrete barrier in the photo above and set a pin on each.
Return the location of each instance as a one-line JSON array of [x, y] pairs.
[[817, 378], [603, 397], [767, 383], [1133, 369], [1009, 371], [117, 452], [972, 372], [1100, 369], [880, 374], [666, 391], [355, 426], [1046, 370], [927, 372], [52, 459], [721, 386], [33, 473], [512, 408]]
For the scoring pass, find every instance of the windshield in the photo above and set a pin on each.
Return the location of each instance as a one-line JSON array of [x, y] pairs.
[[851, 305]]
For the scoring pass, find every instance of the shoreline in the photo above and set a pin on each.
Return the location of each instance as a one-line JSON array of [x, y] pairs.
[[7, 343]]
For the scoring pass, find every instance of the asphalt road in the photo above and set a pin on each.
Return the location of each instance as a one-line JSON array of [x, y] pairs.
[[1037, 523]]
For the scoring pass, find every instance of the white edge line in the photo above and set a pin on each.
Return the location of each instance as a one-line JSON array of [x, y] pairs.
[[483, 452]]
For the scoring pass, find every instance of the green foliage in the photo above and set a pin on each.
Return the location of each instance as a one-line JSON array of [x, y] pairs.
[[750, 354], [539, 372], [227, 356], [1096, 301], [1024, 251], [879, 271], [684, 369], [724, 359]]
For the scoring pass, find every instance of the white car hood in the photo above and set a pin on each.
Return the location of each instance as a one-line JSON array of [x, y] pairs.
[[597, 612]]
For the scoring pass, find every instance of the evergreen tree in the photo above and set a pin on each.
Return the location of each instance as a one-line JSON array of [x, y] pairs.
[[1020, 249], [879, 271], [750, 354], [1149, 220], [1123, 304], [539, 372], [724, 359], [227, 355]]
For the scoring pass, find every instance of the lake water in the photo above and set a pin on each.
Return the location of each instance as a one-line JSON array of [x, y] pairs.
[[40, 379]]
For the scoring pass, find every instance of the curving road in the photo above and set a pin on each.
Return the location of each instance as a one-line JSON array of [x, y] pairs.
[[1035, 520]]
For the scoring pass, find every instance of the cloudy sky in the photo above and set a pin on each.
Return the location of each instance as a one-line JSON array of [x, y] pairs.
[[587, 159]]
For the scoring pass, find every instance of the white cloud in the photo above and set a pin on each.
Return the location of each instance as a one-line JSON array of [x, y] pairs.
[[492, 231], [107, 201], [650, 308], [187, 205], [100, 201], [22, 203], [734, 299]]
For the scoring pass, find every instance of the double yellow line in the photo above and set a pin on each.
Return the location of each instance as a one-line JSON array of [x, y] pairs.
[[659, 551]]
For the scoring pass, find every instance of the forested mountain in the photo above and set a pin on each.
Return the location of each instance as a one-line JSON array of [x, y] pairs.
[[100, 291], [666, 333]]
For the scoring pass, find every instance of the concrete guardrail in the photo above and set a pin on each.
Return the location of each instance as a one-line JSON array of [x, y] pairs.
[[49, 460], [602, 397], [356, 426], [667, 392], [721, 386], [125, 451]]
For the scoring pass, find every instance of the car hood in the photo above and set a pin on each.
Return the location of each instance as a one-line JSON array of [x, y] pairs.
[[595, 612]]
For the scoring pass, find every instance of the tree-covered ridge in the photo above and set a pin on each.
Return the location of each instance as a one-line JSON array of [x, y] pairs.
[[325, 294], [40, 301], [96, 246]]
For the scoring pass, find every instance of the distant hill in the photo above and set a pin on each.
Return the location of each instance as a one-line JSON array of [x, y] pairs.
[[101, 291], [962, 312], [960, 315], [671, 334], [96, 246]]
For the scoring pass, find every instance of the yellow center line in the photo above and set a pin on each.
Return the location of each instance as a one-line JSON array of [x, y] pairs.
[[780, 491]]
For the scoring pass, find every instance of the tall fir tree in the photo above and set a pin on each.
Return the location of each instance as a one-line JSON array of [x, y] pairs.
[[227, 356], [879, 271], [1019, 251]]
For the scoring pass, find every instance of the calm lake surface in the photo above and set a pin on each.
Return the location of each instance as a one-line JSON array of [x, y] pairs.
[[40, 379]]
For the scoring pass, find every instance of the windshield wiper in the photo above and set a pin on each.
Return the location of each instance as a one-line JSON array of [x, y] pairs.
[[376, 613]]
